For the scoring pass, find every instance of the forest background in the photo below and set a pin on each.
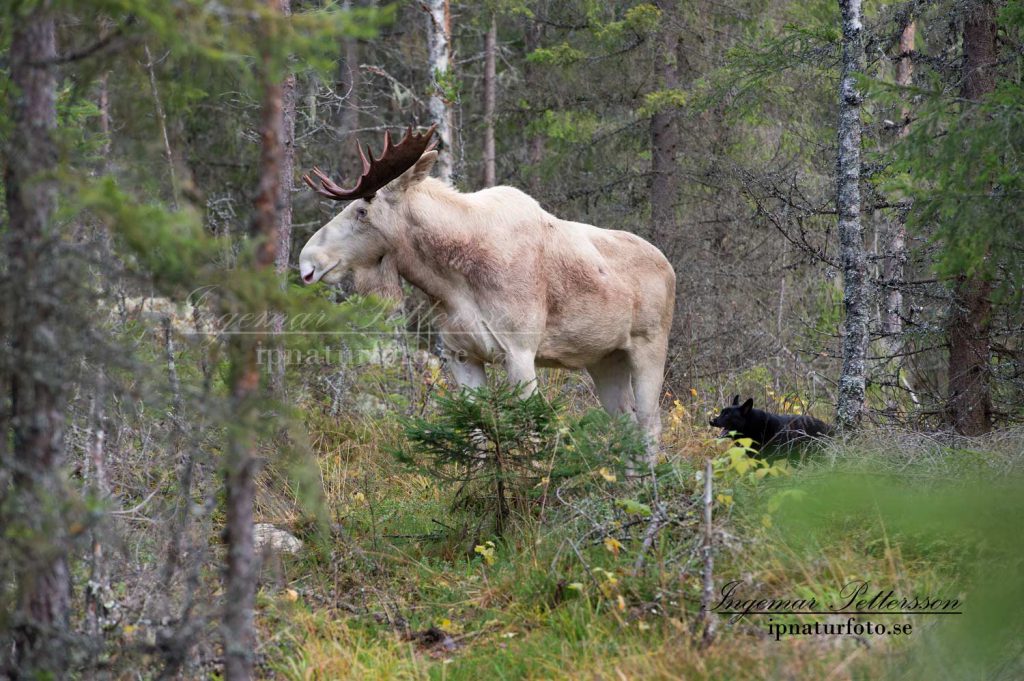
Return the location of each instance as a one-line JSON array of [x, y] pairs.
[[152, 155]]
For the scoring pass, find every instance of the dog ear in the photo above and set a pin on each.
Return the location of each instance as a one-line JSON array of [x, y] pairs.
[[747, 406], [736, 401]]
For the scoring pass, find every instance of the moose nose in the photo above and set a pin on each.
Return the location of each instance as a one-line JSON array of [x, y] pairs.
[[308, 276]]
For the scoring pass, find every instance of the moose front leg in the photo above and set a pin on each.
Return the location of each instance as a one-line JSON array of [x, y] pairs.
[[522, 370]]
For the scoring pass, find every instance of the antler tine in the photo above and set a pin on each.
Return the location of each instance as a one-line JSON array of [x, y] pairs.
[[326, 188], [362, 157], [377, 172]]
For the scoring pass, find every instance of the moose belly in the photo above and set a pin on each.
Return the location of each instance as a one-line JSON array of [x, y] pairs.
[[581, 343]]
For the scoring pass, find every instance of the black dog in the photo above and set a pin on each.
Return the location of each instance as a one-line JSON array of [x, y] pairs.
[[768, 431]]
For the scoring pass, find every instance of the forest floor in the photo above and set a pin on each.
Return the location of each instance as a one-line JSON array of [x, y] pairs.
[[409, 587]]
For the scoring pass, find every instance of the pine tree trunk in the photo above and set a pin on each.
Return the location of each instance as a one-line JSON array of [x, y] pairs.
[[241, 460], [852, 379], [36, 419], [665, 143], [490, 99], [535, 146], [284, 219], [348, 121], [439, 39], [969, 326]]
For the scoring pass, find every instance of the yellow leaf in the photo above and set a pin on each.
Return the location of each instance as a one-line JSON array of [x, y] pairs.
[[643, 626], [359, 496], [445, 624], [575, 586], [693, 392], [725, 499], [607, 474], [621, 603], [487, 552], [290, 595], [613, 545]]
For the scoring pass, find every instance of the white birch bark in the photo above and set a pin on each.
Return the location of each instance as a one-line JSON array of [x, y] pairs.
[[439, 45], [850, 407], [892, 318], [490, 97]]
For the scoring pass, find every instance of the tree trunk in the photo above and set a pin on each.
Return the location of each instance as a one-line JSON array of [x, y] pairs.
[[284, 219], [535, 146], [851, 405], [241, 460], [665, 142], [892, 316], [439, 30], [348, 121], [893, 323], [36, 420], [104, 106], [161, 120], [490, 98], [969, 326]]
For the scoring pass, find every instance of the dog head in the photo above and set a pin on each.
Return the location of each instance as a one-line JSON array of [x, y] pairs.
[[734, 417]]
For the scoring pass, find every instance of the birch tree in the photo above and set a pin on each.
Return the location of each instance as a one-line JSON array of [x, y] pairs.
[[892, 315], [490, 98], [439, 30], [850, 407]]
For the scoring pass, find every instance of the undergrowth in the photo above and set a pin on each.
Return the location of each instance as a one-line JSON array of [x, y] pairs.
[[597, 576]]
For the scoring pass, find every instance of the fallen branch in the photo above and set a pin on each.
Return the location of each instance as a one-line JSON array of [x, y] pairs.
[[659, 518]]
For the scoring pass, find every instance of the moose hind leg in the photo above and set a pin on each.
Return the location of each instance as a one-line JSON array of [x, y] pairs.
[[647, 363]]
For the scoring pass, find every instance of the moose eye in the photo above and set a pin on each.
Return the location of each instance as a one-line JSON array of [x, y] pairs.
[[360, 213]]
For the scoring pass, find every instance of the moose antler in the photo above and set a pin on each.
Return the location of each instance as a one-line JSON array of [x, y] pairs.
[[377, 172]]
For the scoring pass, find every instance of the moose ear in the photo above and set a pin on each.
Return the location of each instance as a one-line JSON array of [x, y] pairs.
[[747, 406], [736, 401], [419, 171]]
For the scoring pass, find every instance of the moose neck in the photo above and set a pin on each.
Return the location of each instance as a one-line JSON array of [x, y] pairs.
[[435, 252]]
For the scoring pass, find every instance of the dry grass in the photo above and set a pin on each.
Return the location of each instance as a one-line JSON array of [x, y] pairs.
[[404, 575]]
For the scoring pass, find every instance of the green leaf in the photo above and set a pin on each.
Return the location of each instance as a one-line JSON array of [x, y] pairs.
[[634, 507]]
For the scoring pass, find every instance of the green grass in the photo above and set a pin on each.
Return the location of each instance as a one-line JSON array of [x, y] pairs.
[[558, 602]]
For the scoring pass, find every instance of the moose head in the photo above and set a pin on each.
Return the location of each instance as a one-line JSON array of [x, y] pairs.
[[358, 237]]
